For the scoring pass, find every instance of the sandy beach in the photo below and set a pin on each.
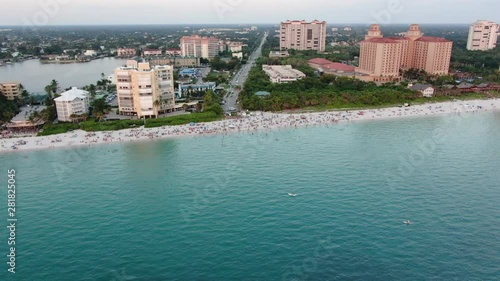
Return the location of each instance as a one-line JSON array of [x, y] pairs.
[[253, 122]]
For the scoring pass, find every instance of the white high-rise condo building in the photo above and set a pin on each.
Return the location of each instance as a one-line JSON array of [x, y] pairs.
[[302, 35], [483, 35], [72, 102]]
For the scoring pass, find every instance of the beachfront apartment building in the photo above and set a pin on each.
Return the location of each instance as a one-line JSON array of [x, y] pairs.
[[238, 55], [90, 53], [152, 52], [381, 59], [72, 102], [235, 47], [175, 61], [483, 35], [10, 90], [173, 52], [126, 52], [143, 90], [199, 47], [302, 35], [282, 73], [425, 89]]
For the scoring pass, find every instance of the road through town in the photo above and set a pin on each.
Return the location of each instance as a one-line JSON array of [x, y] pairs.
[[240, 78]]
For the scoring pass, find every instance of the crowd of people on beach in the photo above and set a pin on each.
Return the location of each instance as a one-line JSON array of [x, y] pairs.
[[250, 122]]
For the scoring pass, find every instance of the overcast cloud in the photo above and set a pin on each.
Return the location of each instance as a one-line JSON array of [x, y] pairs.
[[92, 12]]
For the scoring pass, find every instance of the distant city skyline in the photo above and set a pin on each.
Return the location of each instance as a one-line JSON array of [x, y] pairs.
[[93, 12]]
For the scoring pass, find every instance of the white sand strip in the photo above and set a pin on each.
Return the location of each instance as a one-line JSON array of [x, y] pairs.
[[259, 121]]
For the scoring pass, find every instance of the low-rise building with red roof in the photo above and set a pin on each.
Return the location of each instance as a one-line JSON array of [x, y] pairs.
[[329, 67]]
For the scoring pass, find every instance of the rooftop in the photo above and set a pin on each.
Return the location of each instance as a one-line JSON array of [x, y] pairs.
[[339, 67], [303, 22], [319, 61], [196, 86], [198, 37], [26, 112], [485, 22], [382, 40], [421, 87], [262, 94], [73, 94], [433, 39], [282, 71], [329, 65], [465, 85]]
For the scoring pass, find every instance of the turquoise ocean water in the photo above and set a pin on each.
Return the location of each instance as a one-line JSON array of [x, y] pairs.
[[217, 207]]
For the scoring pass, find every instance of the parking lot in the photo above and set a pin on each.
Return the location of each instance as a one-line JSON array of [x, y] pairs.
[[112, 100]]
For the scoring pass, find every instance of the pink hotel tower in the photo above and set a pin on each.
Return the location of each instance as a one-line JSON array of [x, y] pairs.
[[382, 58]]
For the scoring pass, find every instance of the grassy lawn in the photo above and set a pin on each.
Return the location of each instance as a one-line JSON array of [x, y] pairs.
[[93, 126], [54, 129]]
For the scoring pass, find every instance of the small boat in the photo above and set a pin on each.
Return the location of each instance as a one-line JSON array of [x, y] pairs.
[[292, 194], [407, 222]]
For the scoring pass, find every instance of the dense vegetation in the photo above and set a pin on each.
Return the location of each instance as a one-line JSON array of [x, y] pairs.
[[54, 129], [219, 78], [95, 126], [314, 90], [485, 64], [8, 109], [219, 64], [73, 40]]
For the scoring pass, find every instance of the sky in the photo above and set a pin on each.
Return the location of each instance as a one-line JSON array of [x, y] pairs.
[[99, 12]]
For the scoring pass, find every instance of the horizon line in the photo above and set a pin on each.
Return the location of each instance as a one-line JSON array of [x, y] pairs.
[[219, 24]]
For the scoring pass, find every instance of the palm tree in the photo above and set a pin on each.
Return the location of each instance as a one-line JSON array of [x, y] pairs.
[[73, 118], [36, 116], [8, 115], [24, 94], [99, 116], [48, 90], [188, 93], [156, 104], [92, 89], [32, 120], [55, 86], [52, 88]]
